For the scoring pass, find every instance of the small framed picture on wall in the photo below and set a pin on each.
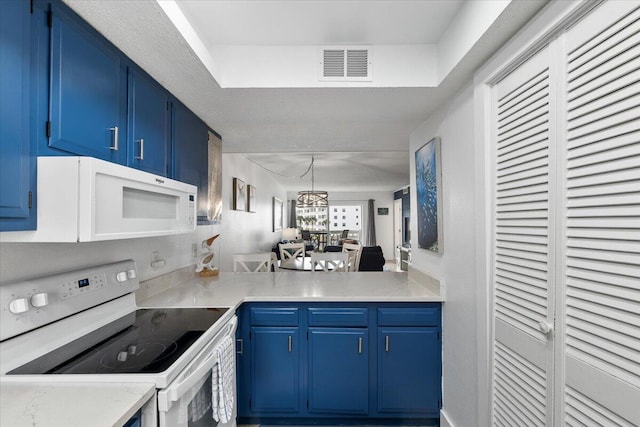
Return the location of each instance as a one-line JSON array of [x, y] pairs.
[[239, 195], [251, 198], [277, 214]]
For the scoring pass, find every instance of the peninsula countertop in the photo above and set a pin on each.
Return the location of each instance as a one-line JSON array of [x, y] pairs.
[[186, 289]]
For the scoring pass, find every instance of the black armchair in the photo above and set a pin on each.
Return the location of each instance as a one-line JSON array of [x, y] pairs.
[[371, 259]]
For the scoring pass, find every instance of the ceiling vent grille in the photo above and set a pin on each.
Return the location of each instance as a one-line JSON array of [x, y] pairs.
[[345, 64]]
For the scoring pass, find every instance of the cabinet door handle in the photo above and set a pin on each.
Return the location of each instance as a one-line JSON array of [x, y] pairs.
[[386, 343], [290, 343], [240, 346], [141, 156], [360, 345], [114, 147]]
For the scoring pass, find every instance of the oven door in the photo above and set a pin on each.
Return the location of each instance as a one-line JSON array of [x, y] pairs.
[[187, 400]]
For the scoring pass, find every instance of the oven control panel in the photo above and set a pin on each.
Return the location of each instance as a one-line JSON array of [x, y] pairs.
[[82, 286], [29, 304]]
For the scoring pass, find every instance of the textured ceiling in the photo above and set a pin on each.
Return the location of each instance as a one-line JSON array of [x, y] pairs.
[[337, 171], [291, 120]]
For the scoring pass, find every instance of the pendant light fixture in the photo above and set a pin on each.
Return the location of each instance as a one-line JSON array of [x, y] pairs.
[[312, 199]]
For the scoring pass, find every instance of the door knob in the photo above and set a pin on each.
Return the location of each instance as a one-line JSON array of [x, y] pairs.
[[545, 327]]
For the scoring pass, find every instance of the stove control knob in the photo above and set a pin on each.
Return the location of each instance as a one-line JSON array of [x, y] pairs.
[[131, 274], [40, 300], [122, 356], [19, 305], [122, 276]]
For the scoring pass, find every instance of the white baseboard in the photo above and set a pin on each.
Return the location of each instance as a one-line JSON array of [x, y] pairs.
[[444, 420]]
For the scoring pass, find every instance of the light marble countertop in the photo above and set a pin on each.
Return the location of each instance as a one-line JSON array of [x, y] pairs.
[[232, 289], [112, 404], [71, 404]]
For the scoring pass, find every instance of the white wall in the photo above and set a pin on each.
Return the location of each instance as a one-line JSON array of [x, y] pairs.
[[245, 232], [240, 232], [299, 66], [454, 124], [472, 20], [384, 223]]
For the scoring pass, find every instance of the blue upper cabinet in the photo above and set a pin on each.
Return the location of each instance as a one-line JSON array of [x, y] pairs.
[[17, 166], [88, 90], [191, 154], [148, 124]]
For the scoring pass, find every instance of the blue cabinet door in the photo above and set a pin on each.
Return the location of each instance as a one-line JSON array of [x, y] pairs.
[[275, 358], [191, 154], [17, 165], [88, 91], [148, 139], [409, 370], [338, 371]]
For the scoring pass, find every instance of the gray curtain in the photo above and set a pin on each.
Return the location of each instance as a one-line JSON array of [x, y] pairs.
[[371, 226], [293, 222]]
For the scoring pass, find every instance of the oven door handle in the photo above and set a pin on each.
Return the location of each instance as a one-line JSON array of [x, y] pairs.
[[175, 391]]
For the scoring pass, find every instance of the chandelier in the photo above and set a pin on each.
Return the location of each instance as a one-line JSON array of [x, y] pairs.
[[312, 199]]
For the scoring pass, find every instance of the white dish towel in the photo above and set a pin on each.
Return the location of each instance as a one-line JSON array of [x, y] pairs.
[[222, 380]]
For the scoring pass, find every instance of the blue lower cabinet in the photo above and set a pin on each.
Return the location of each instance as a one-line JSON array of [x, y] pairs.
[[275, 382], [135, 421], [409, 370], [338, 371], [338, 363]]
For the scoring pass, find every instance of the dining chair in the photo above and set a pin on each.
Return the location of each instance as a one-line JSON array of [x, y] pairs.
[[252, 263], [291, 251], [330, 261], [354, 251], [306, 238], [274, 262]]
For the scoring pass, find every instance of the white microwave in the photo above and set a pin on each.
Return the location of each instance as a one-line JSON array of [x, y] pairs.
[[83, 199]]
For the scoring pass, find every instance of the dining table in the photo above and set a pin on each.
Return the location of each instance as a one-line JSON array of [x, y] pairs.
[[300, 264], [320, 238]]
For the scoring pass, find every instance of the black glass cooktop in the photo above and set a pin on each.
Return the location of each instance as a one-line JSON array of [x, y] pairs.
[[144, 341]]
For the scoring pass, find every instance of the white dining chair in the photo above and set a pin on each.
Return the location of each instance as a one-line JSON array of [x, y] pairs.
[[252, 263], [329, 261], [274, 262], [354, 251], [291, 251]]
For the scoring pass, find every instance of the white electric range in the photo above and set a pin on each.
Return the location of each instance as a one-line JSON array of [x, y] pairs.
[[84, 326]]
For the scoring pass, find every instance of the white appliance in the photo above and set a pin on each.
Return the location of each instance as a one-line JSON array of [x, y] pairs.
[[84, 326], [83, 199]]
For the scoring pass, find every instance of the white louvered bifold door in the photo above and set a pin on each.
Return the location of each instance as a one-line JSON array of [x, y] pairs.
[[601, 271], [523, 294]]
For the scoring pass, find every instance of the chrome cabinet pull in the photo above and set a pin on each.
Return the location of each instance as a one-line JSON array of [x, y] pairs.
[[141, 156], [290, 343], [360, 345], [386, 343], [240, 346], [114, 147]]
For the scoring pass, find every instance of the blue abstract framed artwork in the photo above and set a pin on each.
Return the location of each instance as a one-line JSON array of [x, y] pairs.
[[429, 196]]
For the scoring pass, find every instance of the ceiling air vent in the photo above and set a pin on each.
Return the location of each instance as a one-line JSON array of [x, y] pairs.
[[345, 64]]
